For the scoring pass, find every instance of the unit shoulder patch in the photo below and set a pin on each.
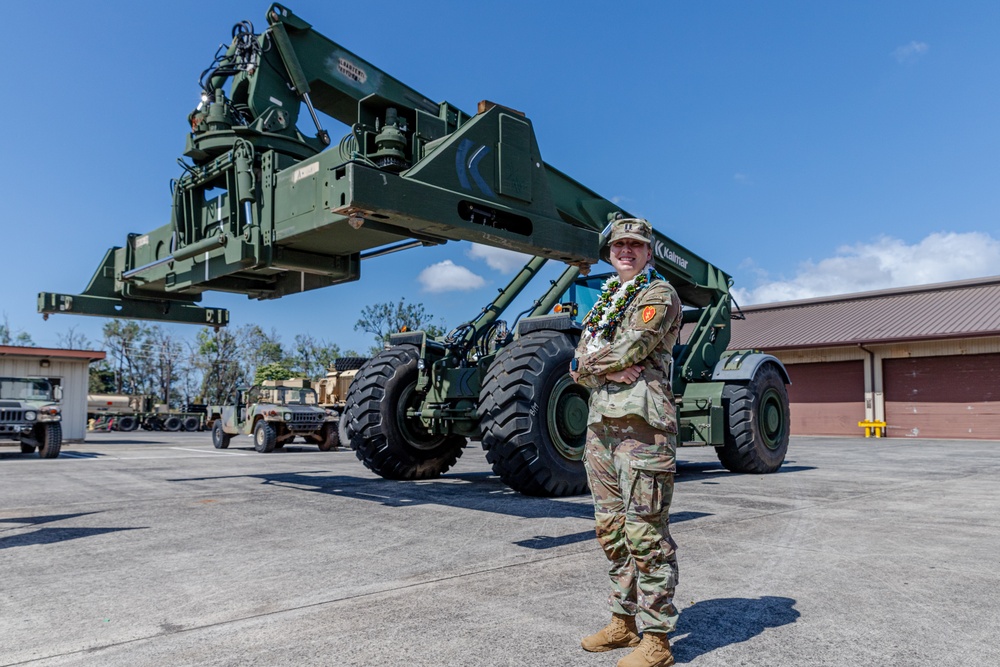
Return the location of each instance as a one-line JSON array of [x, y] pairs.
[[648, 313]]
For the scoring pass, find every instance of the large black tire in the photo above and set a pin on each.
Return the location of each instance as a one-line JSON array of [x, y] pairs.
[[50, 442], [382, 437], [191, 423], [534, 417], [342, 364], [127, 423], [757, 423], [220, 439], [172, 423], [329, 437], [264, 437]]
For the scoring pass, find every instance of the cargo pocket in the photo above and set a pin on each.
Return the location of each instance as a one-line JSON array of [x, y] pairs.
[[652, 450], [650, 495], [655, 463]]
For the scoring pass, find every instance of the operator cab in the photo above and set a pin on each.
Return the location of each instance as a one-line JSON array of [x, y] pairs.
[[582, 294]]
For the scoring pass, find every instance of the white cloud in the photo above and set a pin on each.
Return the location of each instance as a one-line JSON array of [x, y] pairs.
[[887, 262], [447, 276], [501, 259], [910, 53]]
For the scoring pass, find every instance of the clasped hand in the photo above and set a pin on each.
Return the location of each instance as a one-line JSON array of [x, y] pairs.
[[626, 375]]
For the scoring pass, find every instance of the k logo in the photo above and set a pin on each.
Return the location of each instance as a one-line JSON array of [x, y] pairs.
[[466, 166]]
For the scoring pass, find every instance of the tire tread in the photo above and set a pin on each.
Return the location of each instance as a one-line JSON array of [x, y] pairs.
[[512, 385], [372, 440], [743, 451]]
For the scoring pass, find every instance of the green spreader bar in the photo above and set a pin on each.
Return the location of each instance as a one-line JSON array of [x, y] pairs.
[[135, 309]]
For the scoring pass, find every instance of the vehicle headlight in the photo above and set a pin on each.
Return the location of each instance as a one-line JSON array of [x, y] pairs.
[[287, 416], [30, 415]]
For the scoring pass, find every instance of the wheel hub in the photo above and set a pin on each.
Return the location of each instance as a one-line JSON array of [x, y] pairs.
[[572, 416], [412, 429], [567, 418], [771, 419]]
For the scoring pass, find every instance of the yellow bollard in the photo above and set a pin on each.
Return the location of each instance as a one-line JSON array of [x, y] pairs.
[[873, 426]]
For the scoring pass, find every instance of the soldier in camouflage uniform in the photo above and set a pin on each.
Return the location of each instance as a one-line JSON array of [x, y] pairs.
[[625, 358]]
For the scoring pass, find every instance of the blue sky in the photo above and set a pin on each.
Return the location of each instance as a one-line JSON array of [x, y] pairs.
[[806, 148]]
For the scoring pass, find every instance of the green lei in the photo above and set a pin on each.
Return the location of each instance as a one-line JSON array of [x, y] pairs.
[[605, 317]]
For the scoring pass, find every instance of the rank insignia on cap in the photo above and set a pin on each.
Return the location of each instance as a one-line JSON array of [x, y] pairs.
[[648, 313]]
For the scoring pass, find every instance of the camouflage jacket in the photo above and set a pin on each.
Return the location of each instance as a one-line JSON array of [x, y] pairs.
[[646, 337]]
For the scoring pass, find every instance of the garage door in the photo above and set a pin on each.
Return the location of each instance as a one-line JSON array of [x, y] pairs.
[[827, 398], [943, 397]]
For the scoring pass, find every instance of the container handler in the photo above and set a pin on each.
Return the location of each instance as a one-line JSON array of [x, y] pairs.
[[296, 213]]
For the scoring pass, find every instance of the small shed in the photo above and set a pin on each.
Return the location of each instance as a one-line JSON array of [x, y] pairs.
[[924, 360], [69, 369]]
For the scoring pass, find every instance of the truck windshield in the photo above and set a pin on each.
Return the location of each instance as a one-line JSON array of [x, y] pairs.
[[296, 396], [25, 389], [585, 292]]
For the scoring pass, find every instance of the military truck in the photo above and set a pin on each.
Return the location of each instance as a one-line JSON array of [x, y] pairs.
[[332, 389], [30, 413], [275, 412], [128, 412]]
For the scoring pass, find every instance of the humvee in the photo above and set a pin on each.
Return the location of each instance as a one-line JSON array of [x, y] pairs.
[[275, 412], [30, 414]]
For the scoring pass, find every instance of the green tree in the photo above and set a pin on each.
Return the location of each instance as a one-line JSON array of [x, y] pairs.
[[217, 356], [191, 385], [272, 371], [102, 378], [384, 319], [312, 357], [121, 339], [259, 347], [162, 361]]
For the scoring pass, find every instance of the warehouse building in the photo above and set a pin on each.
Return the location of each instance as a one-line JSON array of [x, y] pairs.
[[915, 361], [69, 369]]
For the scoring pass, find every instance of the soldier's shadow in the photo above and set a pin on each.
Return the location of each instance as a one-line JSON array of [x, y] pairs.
[[711, 624]]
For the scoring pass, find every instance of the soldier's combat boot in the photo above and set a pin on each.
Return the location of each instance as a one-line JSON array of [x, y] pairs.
[[654, 651], [619, 633]]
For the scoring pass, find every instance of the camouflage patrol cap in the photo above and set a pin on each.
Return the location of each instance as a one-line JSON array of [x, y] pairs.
[[627, 228]]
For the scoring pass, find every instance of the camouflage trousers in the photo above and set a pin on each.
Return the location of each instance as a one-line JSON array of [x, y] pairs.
[[630, 467]]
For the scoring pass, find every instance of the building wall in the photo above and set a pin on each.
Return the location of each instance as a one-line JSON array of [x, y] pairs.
[[71, 374], [931, 389]]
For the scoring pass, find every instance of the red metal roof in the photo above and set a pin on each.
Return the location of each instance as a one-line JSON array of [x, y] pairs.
[[50, 353], [960, 309]]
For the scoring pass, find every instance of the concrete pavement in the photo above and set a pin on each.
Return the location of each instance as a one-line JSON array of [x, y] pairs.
[[156, 549]]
